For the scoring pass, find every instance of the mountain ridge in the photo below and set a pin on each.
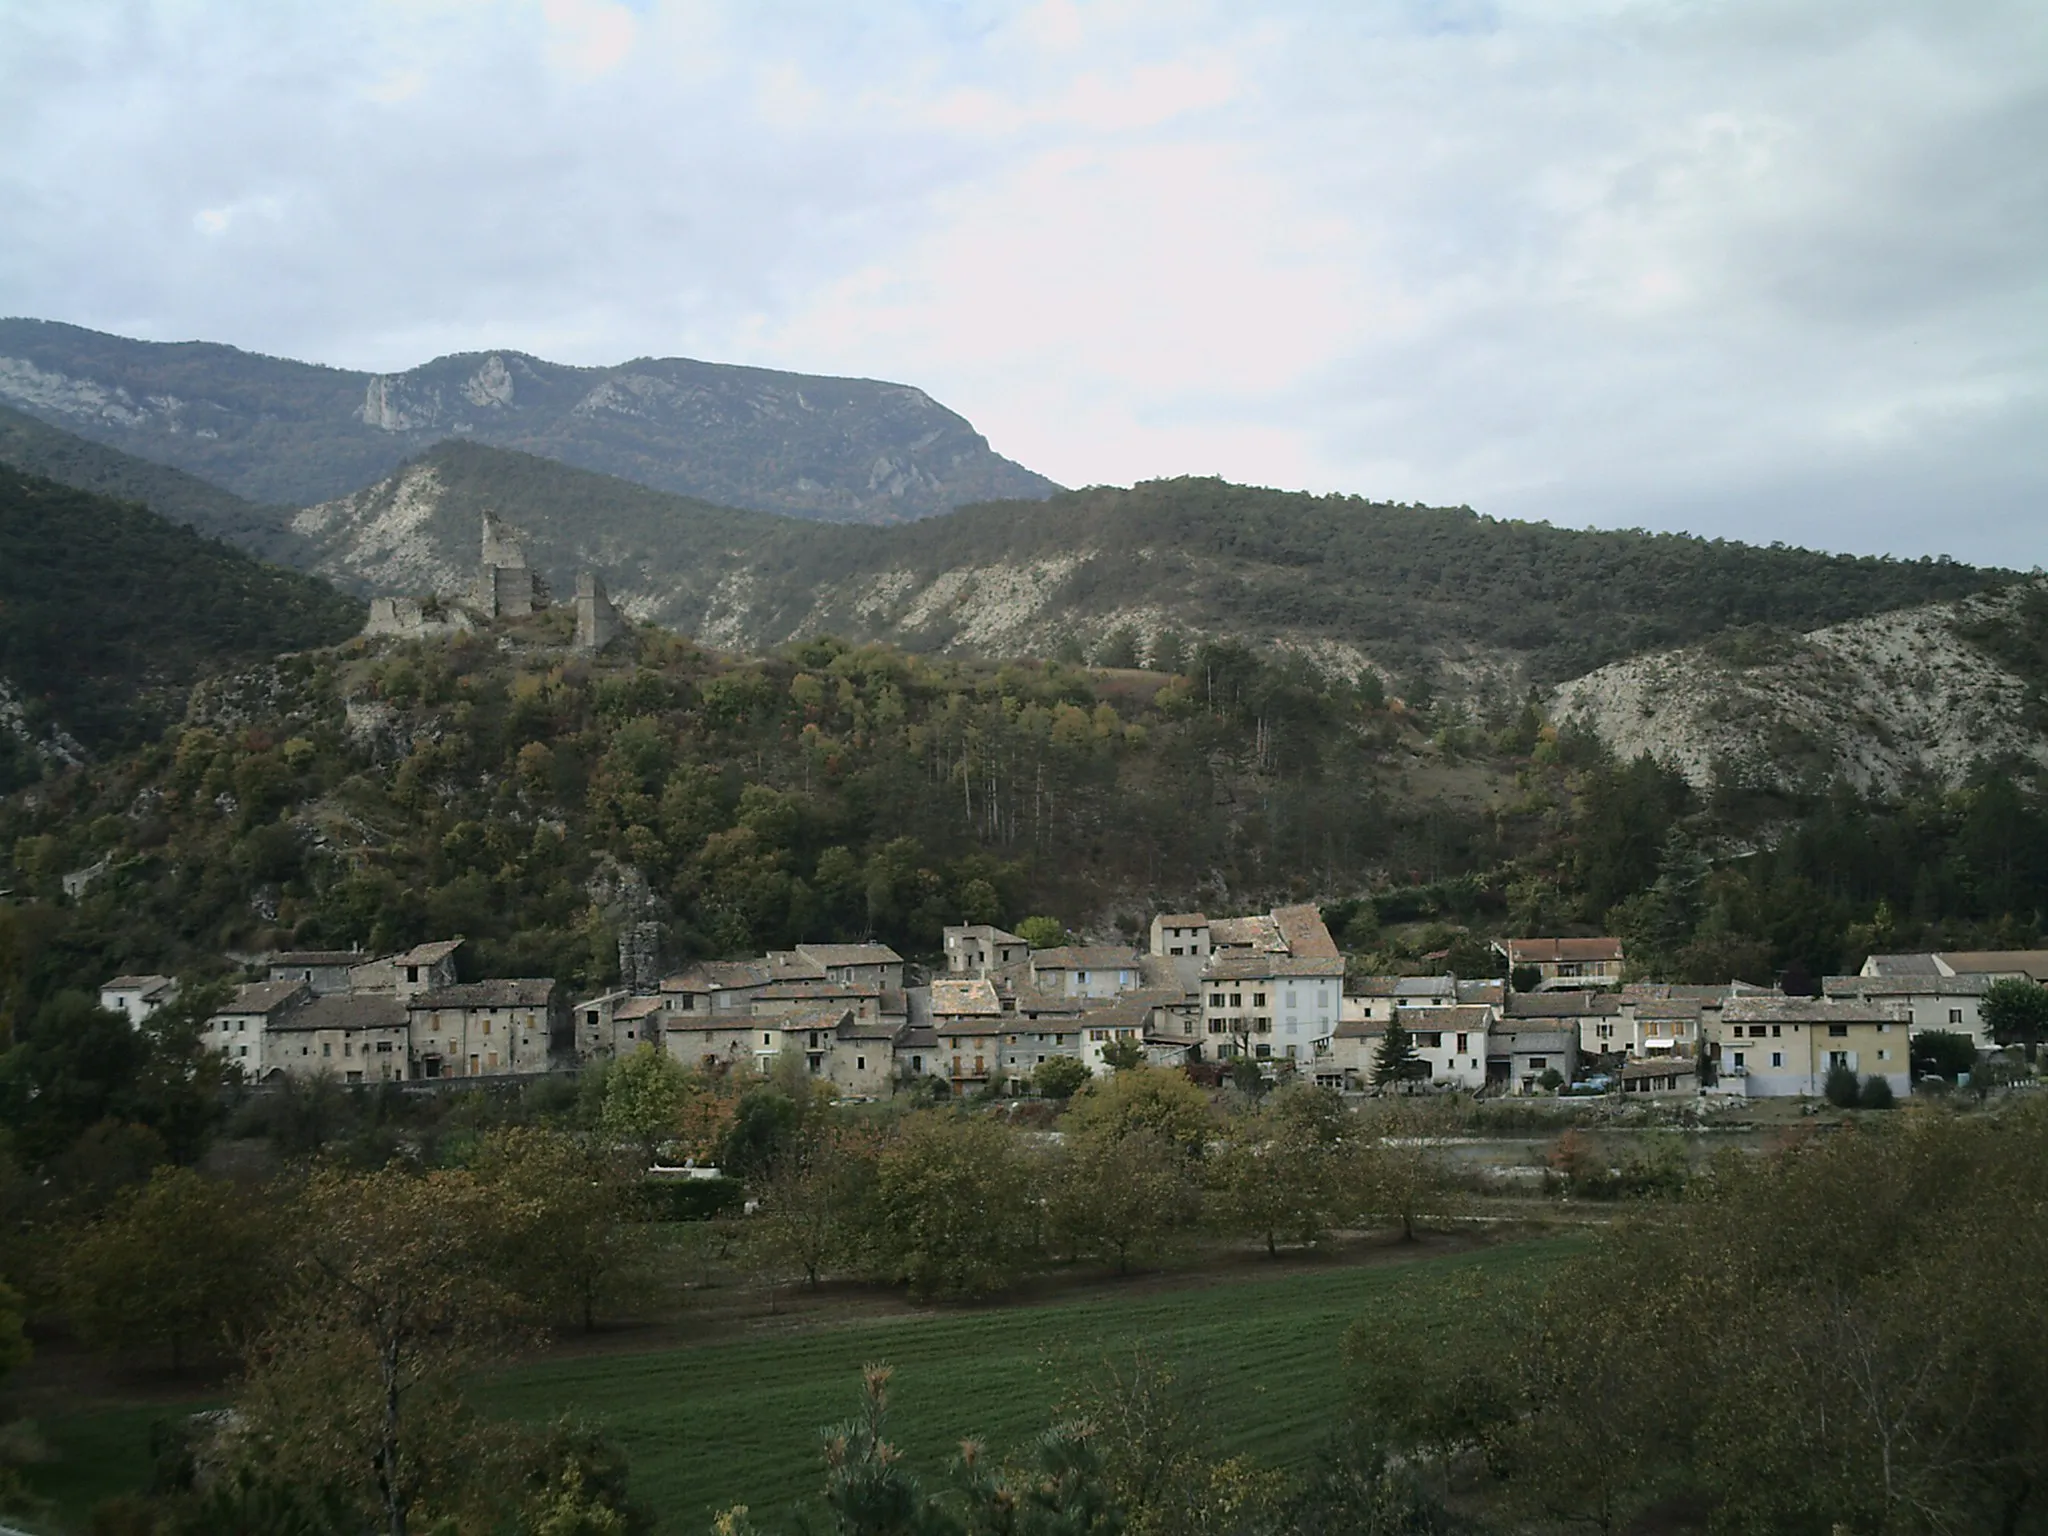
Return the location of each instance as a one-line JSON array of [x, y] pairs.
[[1437, 596], [279, 431]]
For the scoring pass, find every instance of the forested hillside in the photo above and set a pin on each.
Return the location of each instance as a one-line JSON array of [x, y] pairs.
[[37, 448], [109, 612], [497, 786], [275, 430], [1433, 598]]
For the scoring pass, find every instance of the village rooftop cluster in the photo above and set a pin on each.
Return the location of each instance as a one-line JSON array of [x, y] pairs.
[[1205, 994]]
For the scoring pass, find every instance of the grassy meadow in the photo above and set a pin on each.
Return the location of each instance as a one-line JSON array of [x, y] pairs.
[[736, 1421]]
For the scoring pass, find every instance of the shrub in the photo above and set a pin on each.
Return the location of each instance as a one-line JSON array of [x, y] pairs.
[[1876, 1093], [689, 1199], [1843, 1088]]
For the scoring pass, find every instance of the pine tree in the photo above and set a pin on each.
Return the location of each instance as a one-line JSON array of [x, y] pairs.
[[1397, 1062]]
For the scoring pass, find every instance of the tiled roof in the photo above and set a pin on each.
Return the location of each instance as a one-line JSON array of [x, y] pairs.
[[1903, 965], [918, 1037], [1562, 1005], [358, 1010], [803, 1019], [143, 984], [1995, 962], [851, 954], [1483, 991], [1905, 986], [1806, 1010], [782, 991], [956, 999], [319, 959], [263, 996], [1084, 957], [1258, 932], [1254, 967], [501, 992], [1425, 986], [1303, 932], [637, 1008], [424, 954], [1512, 1038], [1551, 951], [718, 976], [1462, 1017], [1181, 920]]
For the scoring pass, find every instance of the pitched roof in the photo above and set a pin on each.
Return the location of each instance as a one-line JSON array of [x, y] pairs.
[[1551, 951], [432, 953], [636, 1008], [1493, 991], [993, 934], [1084, 957], [263, 997], [820, 989], [142, 984], [850, 954], [1256, 932], [1255, 966], [346, 1010], [1469, 1017], [918, 1037], [500, 992], [1902, 965], [1906, 986], [1562, 1005], [718, 976], [799, 1020], [317, 959], [1523, 1038], [1425, 986], [1303, 932], [1807, 1010], [964, 998], [2032, 963], [1660, 1066], [1181, 920]]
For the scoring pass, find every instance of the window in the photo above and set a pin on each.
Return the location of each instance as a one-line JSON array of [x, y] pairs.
[[1290, 998], [590, 1017], [1777, 1058], [860, 1063], [241, 1050], [767, 1039], [383, 1047], [1538, 1063], [917, 1063], [412, 973], [1237, 999], [1838, 1031], [1262, 1026], [1955, 1015], [1174, 950], [1215, 999], [1217, 1027], [1738, 1059], [1262, 1051], [1462, 1047], [326, 1048], [1884, 1055], [1429, 1039], [1084, 978], [1258, 999], [1776, 1030]]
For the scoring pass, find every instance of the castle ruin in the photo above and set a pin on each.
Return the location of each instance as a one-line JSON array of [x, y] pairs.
[[597, 621], [507, 587]]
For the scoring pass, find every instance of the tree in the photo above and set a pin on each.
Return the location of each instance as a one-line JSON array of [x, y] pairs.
[[952, 1203], [1157, 1099], [1396, 1063], [14, 1345], [1391, 1171], [394, 1284], [178, 1261], [644, 1098], [1060, 1077], [1123, 1054], [2016, 1013], [1943, 1054], [1279, 1175], [1121, 1197], [1876, 1093], [816, 1208], [567, 1242], [1042, 932], [764, 1124]]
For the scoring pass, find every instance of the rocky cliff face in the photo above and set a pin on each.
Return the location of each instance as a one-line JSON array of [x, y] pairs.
[[852, 450], [1925, 692]]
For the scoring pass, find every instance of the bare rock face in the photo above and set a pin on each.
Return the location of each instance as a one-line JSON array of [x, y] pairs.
[[279, 432], [1875, 702]]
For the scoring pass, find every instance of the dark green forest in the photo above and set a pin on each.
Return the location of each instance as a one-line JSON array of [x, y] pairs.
[[109, 613]]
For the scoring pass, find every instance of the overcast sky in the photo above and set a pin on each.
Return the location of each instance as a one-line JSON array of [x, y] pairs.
[[1768, 269]]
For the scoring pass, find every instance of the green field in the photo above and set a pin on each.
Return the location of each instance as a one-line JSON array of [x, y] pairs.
[[736, 1422]]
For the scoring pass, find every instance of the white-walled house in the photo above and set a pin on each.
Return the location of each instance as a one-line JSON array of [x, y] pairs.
[[1086, 970], [135, 998], [1949, 1004], [239, 1028], [1768, 1046], [1272, 1007], [975, 949]]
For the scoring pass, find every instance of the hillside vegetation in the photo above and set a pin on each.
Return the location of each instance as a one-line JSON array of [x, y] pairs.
[[37, 448], [1433, 598], [109, 613], [279, 431]]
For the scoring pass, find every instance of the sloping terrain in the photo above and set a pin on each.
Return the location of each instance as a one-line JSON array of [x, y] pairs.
[[277, 431], [37, 448], [1878, 702], [108, 614], [1422, 594]]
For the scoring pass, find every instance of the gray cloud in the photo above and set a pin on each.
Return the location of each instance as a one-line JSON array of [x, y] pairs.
[[1765, 269]]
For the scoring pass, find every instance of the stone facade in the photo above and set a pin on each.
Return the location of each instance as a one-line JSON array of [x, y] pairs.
[[598, 623], [507, 587]]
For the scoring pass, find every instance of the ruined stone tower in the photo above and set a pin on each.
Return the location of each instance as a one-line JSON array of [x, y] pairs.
[[597, 621], [507, 587]]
